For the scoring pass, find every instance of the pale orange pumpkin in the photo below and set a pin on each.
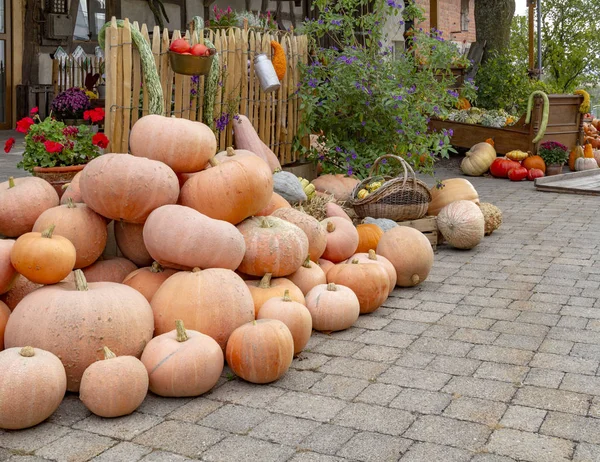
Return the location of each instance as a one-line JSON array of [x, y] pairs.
[[115, 386], [325, 265], [370, 283], [182, 238], [109, 269], [277, 202], [260, 351], [182, 144], [183, 362], [534, 162], [293, 314], [32, 389], [231, 191], [334, 210], [453, 189], [127, 188], [22, 201], [332, 307], [72, 191], [273, 246], [339, 185], [79, 224], [75, 320], [8, 274], [45, 258], [230, 154], [308, 275], [372, 257], [147, 280], [368, 237], [212, 301], [130, 240], [409, 251], [267, 288], [342, 239], [316, 233], [21, 287], [4, 314]]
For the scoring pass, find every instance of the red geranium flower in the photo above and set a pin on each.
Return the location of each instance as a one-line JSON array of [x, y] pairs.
[[9, 144], [53, 146], [100, 140], [24, 124], [95, 115], [34, 110]]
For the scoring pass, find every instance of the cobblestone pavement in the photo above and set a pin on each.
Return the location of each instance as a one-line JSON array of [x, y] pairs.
[[494, 358]]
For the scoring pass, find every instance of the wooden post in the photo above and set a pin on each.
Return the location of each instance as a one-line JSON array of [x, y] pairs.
[[531, 38], [434, 14]]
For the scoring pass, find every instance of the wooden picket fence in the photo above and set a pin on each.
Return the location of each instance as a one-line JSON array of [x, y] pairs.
[[71, 72], [275, 115]]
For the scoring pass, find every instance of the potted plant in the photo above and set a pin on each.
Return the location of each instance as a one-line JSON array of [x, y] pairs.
[[55, 151], [555, 155], [69, 106]]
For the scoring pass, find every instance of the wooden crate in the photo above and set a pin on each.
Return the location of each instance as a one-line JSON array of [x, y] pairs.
[[428, 226]]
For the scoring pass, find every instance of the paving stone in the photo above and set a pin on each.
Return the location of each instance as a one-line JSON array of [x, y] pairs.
[[499, 313], [441, 297], [71, 410], [374, 447], [586, 453], [501, 354], [244, 448], [572, 321], [574, 335], [337, 348], [564, 363], [378, 353], [378, 393], [371, 322], [523, 418], [76, 446], [163, 456], [581, 384], [348, 334], [502, 372], [283, 429], [356, 368], [487, 301], [380, 419], [520, 328], [298, 380], [415, 378], [475, 336], [234, 418], [4, 454], [559, 347], [394, 301], [309, 361], [415, 359], [545, 319], [552, 400], [450, 432], [582, 311], [594, 410], [491, 458], [345, 388], [439, 331], [427, 452], [314, 457], [466, 310], [195, 410], [33, 438], [245, 394], [441, 346], [327, 439], [421, 401], [123, 452], [159, 406], [122, 428], [475, 410], [19, 458], [522, 342], [480, 388], [585, 350], [180, 437], [454, 366], [390, 339], [407, 327], [313, 407], [530, 446], [469, 322], [422, 316]]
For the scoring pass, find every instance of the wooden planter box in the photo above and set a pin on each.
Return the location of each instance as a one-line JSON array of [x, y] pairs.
[[565, 125]]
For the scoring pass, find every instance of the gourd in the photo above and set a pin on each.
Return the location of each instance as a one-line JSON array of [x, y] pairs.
[[184, 145], [370, 283], [276, 202], [333, 307], [8, 274], [182, 362], [462, 224], [372, 257], [342, 239], [545, 112], [588, 151], [517, 155], [534, 162], [4, 314], [245, 137], [501, 166], [109, 269], [315, 232], [43, 257], [181, 238], [278, 59], [273, 246], [451, 190], [584, 163], [293, 314], [492, 217], [231, 191], [260, 351], [339, 185], [74, 321], [115, 386], [368, 237], [22, 201], [212, 301], [147, 280], [288, 186], [384, 223], [72, 191], [308, 276], [410, 252], [130, 240], [128, 188], [32, 386], [575, 154], [478, 159], [267, 288], [79, 224]]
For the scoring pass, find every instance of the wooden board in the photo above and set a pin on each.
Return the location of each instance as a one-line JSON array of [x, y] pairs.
[[586, 182]]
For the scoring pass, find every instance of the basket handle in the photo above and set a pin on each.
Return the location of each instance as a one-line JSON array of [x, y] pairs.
[[405, 166]]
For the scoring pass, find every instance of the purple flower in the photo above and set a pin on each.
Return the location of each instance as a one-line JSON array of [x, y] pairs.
[[453, 93], [312, 83], [441, 143], [221, 122], [336, 22]]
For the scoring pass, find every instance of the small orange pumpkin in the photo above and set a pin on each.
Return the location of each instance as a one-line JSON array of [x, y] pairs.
[[332, 307], [317, 236], [4, 314], [535, 162], [368, 237], [147, 280], [267, 288], [8, 274], [109, 269], [588, 151], [308, 275], [342, 239], [372, 257]]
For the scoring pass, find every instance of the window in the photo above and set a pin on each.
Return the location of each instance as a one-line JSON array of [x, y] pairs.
[[90, 19]]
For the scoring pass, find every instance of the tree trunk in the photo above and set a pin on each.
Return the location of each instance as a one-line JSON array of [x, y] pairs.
[[30, 69], [492, 22]]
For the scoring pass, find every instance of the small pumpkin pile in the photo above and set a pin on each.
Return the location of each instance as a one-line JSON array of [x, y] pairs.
[[518, 165]]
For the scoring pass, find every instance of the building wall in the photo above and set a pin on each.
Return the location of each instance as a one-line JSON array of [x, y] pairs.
[[449, 19]]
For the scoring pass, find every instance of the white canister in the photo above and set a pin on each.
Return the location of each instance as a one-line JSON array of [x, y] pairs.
[[263, 67]]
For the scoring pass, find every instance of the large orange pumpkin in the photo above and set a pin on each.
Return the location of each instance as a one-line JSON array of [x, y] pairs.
[[128, 188], [109, 269], [213, 301], [72, 191], [339, 185], [277, 202], [130, 240], [181, 238], [75, 320], [8, 274], [316, 233], [79, 224], [372, 257], [308, 276], [147, 280], [22, 201], [368, 237], [273, 246], [342, 239], [21, 287], [325, 265], [182, 144], [332, 307], [4, 314], [231, 191], [534, 162], [267, 288], [453, 189]]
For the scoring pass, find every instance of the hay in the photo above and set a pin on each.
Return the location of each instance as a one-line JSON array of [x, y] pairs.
[[315, 206]]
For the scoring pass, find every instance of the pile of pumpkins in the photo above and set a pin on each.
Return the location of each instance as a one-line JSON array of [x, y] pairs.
[[217, 266]]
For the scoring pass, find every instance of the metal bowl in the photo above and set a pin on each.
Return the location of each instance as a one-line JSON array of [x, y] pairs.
[[190, 64]]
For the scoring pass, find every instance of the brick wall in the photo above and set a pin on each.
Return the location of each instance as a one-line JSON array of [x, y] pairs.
[[449, 19]]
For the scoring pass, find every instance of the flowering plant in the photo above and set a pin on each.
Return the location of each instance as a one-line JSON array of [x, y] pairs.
[[51, 143], [366, 100], [223, 18], [553, 152], [71, 103]]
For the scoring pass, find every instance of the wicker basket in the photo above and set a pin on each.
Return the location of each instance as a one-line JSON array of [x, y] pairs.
[[399, 198]]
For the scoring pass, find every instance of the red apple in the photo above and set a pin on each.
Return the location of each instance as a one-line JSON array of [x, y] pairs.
[[180, 46], [199, 49]]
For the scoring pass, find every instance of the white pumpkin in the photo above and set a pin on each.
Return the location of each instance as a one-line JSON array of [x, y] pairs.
[[585, 163], [596, 153], [478, 159], [462, 224]]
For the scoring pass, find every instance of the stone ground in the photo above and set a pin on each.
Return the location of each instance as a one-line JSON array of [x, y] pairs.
[[494, 358]]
